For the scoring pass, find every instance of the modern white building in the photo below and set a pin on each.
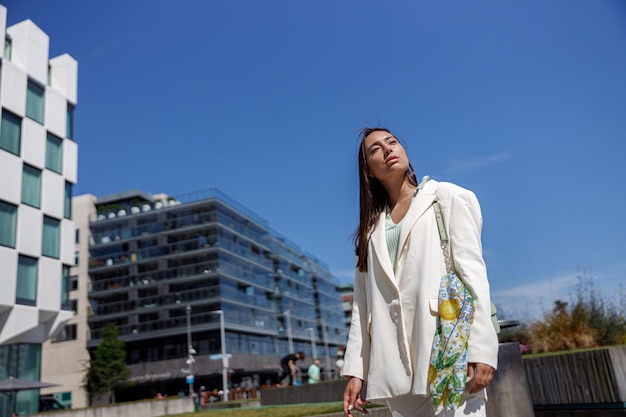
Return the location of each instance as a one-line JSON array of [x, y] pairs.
[[38, 168]]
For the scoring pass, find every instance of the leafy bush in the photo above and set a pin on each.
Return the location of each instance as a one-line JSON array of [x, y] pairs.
[[592, 320], [561, 330], [602, 314]]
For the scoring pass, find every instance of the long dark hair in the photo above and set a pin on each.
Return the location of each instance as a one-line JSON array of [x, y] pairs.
[[372, 200]]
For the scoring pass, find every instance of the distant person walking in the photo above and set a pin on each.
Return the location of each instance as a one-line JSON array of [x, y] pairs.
[[289, 367], [314, 372], [339, 363]]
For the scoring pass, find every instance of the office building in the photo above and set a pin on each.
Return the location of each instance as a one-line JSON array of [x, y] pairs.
[[38, 167], [162, 269]]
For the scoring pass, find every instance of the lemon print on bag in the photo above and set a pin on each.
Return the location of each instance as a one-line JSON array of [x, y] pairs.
[[450, 309], [432, 374], [448, 358]]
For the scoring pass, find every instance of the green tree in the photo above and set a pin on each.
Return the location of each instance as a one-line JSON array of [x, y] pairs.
[[107, 370]]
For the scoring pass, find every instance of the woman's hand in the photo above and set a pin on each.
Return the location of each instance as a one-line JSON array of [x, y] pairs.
[[481, 374], [352, 397]]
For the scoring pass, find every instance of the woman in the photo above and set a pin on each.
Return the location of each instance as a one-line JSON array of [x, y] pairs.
[[400, 264]]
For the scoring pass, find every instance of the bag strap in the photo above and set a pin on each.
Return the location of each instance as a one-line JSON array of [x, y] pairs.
[[445, 243], [445, 247]]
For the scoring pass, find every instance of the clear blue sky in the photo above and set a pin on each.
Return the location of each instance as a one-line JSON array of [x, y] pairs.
[[524, 102]]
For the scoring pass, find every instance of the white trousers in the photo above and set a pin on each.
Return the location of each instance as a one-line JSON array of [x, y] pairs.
[[472, 405]]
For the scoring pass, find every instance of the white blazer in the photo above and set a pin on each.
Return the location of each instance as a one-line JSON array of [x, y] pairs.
[[394, 314]]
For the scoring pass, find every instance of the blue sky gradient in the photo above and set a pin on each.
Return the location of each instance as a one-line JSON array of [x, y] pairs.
[[523, 102]]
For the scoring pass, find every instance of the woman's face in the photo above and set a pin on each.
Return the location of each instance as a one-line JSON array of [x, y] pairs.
[[385, 156]]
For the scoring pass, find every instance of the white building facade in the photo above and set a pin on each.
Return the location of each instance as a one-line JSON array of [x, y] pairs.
[[38, 168]]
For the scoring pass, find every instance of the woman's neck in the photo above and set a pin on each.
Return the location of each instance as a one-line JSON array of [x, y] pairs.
[[398, 191]]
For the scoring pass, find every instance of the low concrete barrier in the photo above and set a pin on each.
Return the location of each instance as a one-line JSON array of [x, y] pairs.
[[220, 405], [323, 392], [508, 394], [151, 408]]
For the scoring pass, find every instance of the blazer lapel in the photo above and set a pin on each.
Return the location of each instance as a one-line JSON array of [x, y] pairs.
[[422, 201], [379, 244]]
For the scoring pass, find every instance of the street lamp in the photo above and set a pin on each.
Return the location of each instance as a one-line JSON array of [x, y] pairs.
[[289, 337], [328, 370], [313, 348], [224, 358], [190, 352]]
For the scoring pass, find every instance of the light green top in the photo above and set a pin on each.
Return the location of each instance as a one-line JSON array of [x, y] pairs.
[[392, 234], [314, 374]]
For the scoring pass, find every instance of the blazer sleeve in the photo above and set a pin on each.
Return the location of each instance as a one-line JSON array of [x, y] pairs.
[[465, 226], [357, 353]]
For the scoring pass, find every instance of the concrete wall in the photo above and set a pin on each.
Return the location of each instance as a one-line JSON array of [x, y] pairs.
[[153, 408], [325, 391], [508, 394]]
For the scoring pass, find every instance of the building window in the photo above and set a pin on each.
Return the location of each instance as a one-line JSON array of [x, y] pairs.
[[73, 282], [54, 153], [76, 258], [7, 49], [65, 288], [31, 186], [10, 132], [69, 121], [8, 224], [64, 398], [34, 102], [74, 306], [26, 292], [77, 236], [68, 333], [50, 238], [67, 209]]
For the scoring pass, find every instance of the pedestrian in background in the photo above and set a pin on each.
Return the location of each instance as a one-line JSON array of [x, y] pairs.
[[314, 372], [339, 363], [289, 367]]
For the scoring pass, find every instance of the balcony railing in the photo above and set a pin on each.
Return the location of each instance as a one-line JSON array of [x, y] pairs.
[[117, 257], [199, 270], [267, 323]]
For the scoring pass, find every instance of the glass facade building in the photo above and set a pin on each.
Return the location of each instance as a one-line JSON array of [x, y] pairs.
[[152, 257]]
